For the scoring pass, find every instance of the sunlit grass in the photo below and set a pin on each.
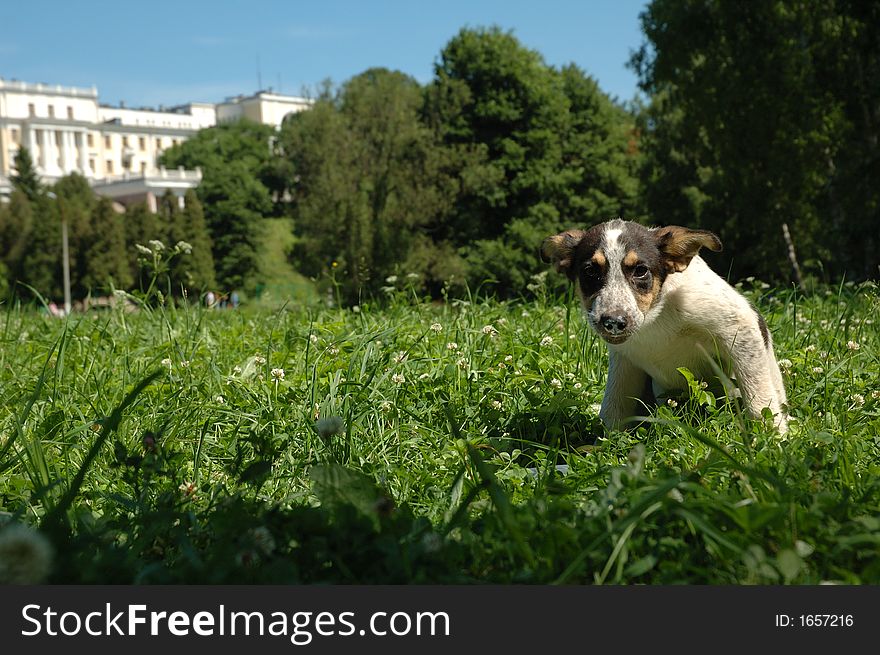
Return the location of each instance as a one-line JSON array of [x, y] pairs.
[[416, 441]]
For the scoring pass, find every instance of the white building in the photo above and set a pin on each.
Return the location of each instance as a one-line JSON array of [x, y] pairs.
[[115, 148]]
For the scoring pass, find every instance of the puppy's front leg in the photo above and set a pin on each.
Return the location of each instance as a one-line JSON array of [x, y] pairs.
[[624, 387], [758, 377]]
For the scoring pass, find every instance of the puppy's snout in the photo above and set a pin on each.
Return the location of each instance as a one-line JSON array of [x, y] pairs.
[[613, 323]]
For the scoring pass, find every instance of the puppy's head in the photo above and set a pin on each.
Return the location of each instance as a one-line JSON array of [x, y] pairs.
[[620, 267]]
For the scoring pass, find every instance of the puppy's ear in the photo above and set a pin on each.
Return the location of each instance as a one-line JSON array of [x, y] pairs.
[[679, 245], [559, 250]]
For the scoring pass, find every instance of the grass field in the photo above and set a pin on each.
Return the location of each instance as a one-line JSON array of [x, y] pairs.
[[411, 441]]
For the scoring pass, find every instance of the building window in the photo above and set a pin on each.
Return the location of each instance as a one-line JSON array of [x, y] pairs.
[[144, 167], [90, 139], [173, 142], [51, 111], [70, 113], [142, 143], [92, 164], [125, 142], [107, 141], [158, 144], [14, 134], [32, 110], [109, 167]]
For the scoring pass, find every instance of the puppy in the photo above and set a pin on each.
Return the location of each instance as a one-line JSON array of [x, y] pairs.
[[659, 306]]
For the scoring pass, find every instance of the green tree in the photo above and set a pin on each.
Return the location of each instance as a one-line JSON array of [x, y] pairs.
[[74, 203], [764, 114], [235, 159], [196, 267], [141, 227], [41, 264], [538, 149], [16, 225], [105, 261], [366, 180], [25, 177]]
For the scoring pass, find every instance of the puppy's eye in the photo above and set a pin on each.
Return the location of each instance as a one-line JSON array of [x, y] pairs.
[[590, 269], [641, 272]]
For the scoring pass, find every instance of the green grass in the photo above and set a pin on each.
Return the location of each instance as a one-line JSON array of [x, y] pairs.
[[217, 471]]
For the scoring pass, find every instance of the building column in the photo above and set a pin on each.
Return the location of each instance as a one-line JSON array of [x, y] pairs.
[[84, 155], [68, 160], [50, 158], [32, 143]]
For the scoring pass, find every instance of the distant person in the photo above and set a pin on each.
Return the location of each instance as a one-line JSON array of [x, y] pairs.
[[233, 299], [210, 299]]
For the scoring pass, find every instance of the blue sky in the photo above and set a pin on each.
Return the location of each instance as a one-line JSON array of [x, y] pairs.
[[149, 53]]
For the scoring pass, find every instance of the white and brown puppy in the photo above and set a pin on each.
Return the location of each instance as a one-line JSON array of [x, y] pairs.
[[659, 307]]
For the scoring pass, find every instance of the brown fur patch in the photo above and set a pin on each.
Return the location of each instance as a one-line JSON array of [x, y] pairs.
[[631, 259], [646, 299], [679, 245], [559, 249], [599, 259]]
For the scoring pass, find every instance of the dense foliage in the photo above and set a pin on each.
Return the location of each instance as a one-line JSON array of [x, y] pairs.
[[181, 445], [756, 116], [762, 114]]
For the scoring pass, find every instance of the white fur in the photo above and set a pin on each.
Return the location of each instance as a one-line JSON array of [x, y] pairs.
[[696, 313]]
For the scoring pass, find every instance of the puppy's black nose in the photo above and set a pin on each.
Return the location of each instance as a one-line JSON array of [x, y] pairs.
[[613, 324]]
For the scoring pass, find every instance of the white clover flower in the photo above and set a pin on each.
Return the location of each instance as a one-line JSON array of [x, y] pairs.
[[385, 406], [546, 341], [577, 385], [156, 245], [184, 363], [259, 360], [398, 378], [672, 402], [391, 279], [785, 363], [184, 247], [462, 363], [356, 309], [875, 395], [424, 376], [555, 383], [25, 555], [220, 400], [858, 399], [436, 327], [313, 338], [810, 348], [490, 330], [329, 426], [852, 345], [166, 362], [400, 357], [263, 539], [496, 404], [818, 369], [412, 276], [451, 346], [333, 351], [508, 358], [143, 249], [278, 373], [236, 370]]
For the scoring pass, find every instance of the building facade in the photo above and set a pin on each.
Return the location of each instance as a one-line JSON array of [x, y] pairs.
[[116, 149]]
